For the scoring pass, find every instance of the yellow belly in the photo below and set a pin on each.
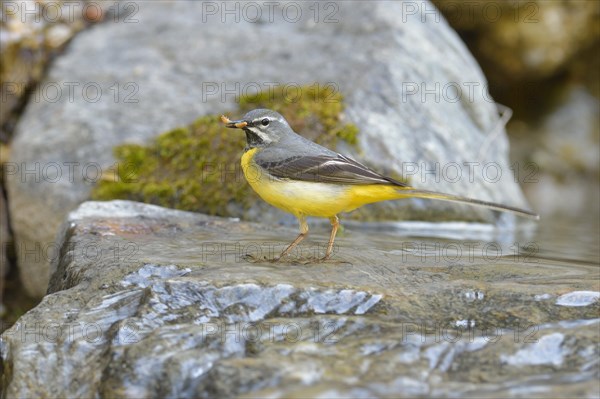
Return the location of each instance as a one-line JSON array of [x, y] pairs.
[[303, 198]]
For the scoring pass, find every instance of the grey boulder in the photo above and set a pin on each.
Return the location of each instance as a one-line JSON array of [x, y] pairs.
[[410, 85], [151, 302]]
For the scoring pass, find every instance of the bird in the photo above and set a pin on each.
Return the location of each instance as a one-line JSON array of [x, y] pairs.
[[305, 179]]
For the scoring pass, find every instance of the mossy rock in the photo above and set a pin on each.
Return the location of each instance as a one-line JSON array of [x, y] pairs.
[[197, 167]]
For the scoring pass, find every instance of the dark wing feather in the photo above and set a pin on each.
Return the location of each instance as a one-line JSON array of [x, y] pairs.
[[326, 169]]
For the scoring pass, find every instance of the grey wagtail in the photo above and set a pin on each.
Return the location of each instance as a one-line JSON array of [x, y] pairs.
[[305, 179]]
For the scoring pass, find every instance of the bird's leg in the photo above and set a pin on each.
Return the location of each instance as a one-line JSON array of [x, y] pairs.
[[335, 223], [301, 236]]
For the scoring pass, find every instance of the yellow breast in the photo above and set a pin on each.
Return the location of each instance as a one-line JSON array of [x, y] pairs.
[[311, 198]]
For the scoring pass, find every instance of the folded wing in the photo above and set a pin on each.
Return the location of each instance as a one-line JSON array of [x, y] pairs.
[[336, 169]]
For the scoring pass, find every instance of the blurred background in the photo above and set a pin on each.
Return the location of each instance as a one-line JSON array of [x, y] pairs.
[[540, 58]]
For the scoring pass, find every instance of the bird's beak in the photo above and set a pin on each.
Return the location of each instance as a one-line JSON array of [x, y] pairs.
[[233, 124]]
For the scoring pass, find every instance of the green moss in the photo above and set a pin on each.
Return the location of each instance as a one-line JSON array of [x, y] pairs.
[[196, 167], [190, 168]]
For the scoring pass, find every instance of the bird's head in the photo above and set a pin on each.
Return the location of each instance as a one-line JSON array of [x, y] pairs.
[[262, 127]]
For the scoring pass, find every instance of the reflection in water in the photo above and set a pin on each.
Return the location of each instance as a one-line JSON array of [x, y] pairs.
[[549, 240]]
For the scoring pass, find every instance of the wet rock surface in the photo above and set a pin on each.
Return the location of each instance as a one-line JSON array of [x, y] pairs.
[[142, 83], [150, 302]]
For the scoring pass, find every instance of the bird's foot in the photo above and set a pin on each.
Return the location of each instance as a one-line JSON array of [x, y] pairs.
[[255, 259], [260, 259]]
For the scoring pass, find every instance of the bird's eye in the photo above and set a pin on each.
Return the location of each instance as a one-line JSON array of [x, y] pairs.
[[265, 122]]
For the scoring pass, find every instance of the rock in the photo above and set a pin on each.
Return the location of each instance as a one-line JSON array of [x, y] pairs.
[[531, 50], [409, 83], [5, 237], [151, 302], [5, 234], [32, 33], [525, 40]]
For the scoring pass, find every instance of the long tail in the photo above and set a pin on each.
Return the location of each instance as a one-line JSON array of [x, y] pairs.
[[456, 198]]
